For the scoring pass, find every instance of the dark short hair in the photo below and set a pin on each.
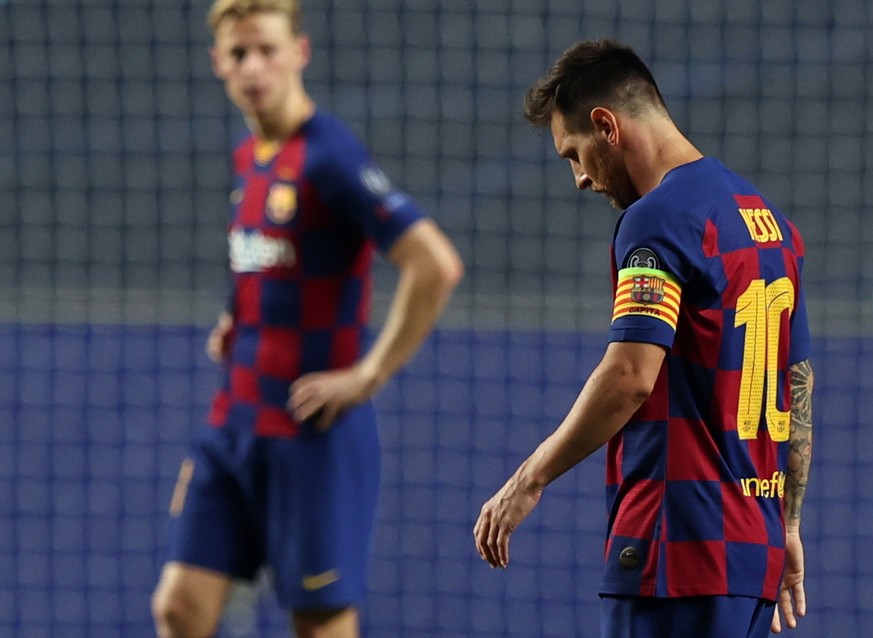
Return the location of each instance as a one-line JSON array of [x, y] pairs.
[[590, 74]]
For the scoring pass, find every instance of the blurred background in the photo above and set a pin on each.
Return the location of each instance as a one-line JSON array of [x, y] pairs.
[[114, 178]]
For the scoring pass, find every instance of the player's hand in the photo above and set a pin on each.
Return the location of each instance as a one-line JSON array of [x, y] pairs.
[[499, 518], [218, 342], [322, 396], [792, 597]]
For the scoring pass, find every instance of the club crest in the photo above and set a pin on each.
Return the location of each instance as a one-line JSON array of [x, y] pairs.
[[647, 289], [281, 203]]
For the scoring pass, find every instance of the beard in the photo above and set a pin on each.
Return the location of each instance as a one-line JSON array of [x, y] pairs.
[[614, 182]]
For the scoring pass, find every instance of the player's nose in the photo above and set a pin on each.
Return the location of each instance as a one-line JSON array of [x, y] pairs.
[[251, 65], [583, 181]]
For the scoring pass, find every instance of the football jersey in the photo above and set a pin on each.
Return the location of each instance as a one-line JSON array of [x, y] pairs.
[[306, 214], [707, 267]]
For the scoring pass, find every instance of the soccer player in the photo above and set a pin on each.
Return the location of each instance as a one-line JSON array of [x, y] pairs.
[[286, 473], [703, 394]]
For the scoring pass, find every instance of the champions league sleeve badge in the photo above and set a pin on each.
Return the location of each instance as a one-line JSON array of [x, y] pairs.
[[378, 184], [375, 181], [643, 258]]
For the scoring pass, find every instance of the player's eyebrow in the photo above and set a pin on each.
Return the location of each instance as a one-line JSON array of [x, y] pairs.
[[567, 153]]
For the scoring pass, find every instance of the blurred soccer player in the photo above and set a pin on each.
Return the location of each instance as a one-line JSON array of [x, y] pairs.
[[286, 473], [703, 394]]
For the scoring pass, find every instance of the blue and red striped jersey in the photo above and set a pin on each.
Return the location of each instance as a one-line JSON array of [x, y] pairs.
[[306, 214], [708, 268]]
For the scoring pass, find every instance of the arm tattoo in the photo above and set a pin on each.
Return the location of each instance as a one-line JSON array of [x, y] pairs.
[[800, 441]]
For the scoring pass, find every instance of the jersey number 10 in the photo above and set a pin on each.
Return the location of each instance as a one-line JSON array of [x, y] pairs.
[[760, 309]]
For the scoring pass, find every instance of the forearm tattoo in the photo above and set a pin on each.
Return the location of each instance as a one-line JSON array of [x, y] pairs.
[[800, 441]]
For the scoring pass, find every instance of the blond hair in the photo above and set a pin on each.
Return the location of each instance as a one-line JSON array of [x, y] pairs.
[[222, 9]]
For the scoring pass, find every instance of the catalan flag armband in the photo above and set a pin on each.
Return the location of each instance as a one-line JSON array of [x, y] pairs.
[[648, 292]]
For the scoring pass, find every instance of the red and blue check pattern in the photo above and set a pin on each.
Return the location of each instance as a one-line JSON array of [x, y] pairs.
[[694, 507], [302, 233]]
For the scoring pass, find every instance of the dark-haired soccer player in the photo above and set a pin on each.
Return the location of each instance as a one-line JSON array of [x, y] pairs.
[[287, 472], [704, 392]]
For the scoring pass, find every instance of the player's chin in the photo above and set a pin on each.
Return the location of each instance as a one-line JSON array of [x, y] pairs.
[[252, 105]]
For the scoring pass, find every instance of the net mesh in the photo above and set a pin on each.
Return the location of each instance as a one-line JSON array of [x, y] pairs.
[[114, 142]]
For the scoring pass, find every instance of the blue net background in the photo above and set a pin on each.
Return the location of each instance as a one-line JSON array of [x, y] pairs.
[[113, 188]]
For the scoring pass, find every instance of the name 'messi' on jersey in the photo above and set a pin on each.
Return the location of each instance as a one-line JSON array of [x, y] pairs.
[[253, 251]]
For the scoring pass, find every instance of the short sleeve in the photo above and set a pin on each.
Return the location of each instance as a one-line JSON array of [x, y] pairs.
[[357, 191], [800, 347], [654, 258]]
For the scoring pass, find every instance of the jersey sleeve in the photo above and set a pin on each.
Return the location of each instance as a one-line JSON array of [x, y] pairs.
[[800, 348], [800, 336], [359, 193], [653, 260]]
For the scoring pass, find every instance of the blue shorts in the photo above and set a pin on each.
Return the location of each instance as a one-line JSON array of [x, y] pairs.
[[304, 506], [691, 617]]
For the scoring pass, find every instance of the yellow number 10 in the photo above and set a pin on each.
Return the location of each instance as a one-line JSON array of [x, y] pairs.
[[760, 309]]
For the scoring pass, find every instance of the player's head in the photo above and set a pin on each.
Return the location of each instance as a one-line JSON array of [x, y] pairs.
[[583, 98], [590, 74], [260, 53]]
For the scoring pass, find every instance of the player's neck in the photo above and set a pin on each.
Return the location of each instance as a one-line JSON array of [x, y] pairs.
[[663, 152], [283, 124]]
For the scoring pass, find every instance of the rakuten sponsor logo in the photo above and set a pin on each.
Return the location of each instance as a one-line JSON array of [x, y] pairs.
[[252, 251]]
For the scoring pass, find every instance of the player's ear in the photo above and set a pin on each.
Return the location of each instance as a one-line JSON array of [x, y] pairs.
[[304, 50], [605, 124], [216, 63]]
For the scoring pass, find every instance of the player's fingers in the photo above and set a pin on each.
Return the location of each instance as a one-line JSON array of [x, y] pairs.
[[304, 396], [312, 411], [212, 352], [503, 546], [483, 533], [300, 389], [494, 550], [294, 400], [484, 547], [301, 408], [787, 608], [218, 340], [476, 528], [799, 599], [293, 404], [776, 623], [479, 534], [325, 417], [213, 347]]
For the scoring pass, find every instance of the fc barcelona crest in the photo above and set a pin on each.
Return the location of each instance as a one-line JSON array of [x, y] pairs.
[[647, 289], [281, 203]]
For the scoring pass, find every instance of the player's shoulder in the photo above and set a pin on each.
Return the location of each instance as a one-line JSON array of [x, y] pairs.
[[331, 143], [675, 213], [689, 195], [696, 185], [326, 129]]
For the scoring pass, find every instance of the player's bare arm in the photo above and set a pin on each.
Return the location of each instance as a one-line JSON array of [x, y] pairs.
[[430, 268], [792, 597], [800, 443], [619, 385]]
